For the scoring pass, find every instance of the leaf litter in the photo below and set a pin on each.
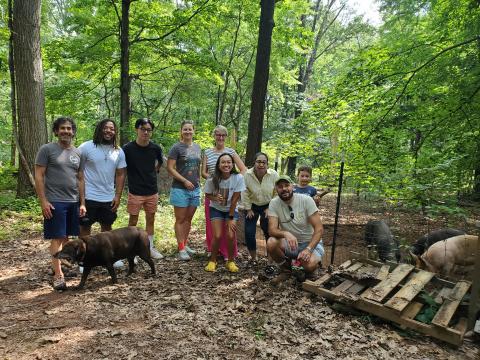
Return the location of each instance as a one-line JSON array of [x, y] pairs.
[[184, 313]]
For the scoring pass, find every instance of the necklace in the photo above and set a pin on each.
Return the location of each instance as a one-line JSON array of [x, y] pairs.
[[106, 153]]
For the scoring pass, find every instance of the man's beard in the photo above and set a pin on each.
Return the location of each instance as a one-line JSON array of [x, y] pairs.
[[286, 197], [107, 142]]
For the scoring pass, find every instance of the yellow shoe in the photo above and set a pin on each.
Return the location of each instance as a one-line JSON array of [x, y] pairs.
[[231, 266], [211, 266]]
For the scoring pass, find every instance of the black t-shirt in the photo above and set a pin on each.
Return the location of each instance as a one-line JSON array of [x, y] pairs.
[[141, 172]]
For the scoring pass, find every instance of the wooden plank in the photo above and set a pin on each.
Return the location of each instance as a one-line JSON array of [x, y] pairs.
[[381, 290], [448, 335], [355, 289], [412, 310], [461, 325], [345, 265], [442, 295], [360, 257], [322, 280], [343, 286], [450, 305], [355, 267], [411, 289], [383, 272]]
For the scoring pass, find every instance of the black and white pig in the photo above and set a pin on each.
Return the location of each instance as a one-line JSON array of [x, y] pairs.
[[427, 240]]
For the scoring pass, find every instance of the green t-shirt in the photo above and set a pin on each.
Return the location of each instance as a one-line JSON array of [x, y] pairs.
[[295, 218]]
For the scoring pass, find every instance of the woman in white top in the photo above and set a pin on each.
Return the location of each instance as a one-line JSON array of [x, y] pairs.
[[223, 190], [260, 189], [210, 157]]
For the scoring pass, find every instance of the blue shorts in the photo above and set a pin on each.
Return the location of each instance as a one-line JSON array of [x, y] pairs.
[[185, 198], [292, 254], [64, 221], [221, 215]]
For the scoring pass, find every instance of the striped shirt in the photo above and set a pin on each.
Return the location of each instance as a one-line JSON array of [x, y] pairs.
[[212, 156]]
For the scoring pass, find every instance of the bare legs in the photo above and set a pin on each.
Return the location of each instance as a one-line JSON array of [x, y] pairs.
[[183, 223], [217, 226]]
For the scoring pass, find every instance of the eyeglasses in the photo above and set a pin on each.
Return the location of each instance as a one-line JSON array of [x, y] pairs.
[[145, 130], [292, 215], [221, 135], [261, 162]]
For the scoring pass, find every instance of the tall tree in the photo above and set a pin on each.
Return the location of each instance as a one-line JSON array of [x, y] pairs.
[[32, 131], [260, 80], [11, 66], [124, 70]]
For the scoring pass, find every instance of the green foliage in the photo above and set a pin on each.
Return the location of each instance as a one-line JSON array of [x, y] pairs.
[[8, 177], [429, 310]]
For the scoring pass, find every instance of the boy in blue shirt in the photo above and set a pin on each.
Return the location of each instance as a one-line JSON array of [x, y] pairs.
[[304, 176]]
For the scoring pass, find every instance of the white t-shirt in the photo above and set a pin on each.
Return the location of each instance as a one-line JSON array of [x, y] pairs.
[[233, 184], [101, 162], [295, 218]]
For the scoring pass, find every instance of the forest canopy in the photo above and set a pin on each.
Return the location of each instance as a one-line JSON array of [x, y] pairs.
[[398, 101]]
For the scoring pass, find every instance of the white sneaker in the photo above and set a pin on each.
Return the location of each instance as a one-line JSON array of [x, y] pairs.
[[190, 251], [118, 264], [183, 255], [155, 254]]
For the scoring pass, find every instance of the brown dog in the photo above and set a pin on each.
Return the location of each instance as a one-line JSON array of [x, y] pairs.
[[105, 248]]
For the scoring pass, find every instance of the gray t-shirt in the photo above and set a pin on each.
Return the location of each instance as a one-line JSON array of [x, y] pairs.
[[62, 166], [233, 184], [302, 207], [188, 159]]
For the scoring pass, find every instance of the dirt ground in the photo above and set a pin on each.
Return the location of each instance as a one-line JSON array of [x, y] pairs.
[[185, 313]]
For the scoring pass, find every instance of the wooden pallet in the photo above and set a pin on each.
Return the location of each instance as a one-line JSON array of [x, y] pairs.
[[390, 291]]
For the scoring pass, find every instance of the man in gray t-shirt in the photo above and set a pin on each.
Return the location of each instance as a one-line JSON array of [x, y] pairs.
[[295, 230], [60, 188]]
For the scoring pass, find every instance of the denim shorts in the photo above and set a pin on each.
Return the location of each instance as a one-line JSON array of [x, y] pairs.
[[185, 198], [64, 221], [292, 254], [221, 215]]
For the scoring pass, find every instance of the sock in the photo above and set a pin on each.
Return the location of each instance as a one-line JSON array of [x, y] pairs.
[[181, 246], [151, 239]]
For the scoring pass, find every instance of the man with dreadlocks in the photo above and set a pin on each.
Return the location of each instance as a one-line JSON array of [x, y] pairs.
[[104, 178]]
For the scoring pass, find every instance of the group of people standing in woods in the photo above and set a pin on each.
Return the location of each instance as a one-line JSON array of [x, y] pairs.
[[80, 186]]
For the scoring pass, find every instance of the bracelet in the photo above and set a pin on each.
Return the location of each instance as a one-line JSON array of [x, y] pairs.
[[310, 250]]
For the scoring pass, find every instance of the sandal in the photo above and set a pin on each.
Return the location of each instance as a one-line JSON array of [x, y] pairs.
[[211, 266], [231, 266]]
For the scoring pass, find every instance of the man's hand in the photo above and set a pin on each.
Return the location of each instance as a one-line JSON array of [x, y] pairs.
[[83, 210], [47, 210], [115, 203], [304, 256], [250, 214], [291, 240]]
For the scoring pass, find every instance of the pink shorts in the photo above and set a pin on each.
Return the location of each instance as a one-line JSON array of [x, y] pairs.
[[136, 202]]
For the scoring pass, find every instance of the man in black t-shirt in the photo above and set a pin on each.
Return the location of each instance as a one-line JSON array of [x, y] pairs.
[[144, 159]]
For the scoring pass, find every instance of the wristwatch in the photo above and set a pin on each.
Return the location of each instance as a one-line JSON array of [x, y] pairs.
[[230, 217], [310, 250]]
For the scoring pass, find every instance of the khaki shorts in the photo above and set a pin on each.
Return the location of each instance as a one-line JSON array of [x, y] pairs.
[[136, 202]]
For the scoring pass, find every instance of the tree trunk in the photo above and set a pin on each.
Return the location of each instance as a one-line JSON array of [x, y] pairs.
[[124, 73], [11, 66], [29, 85], [260, 80]]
